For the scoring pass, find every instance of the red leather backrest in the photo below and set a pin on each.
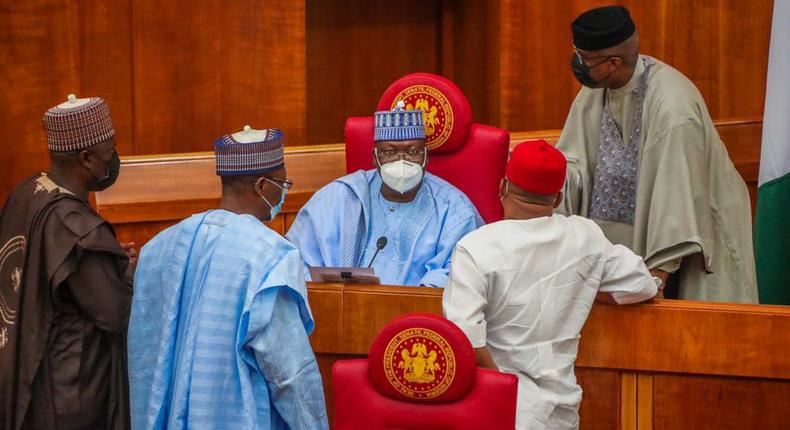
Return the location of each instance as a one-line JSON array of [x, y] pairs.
[[491, 405], [359, 143], [468, 155], [421, 374]]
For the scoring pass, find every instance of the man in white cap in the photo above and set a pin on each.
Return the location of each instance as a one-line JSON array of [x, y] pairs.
[[409, 220], [65, 284], [220, 318]]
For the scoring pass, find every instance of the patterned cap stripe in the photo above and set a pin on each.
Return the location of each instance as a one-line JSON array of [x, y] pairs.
[[235, 158], [78, 128], [398, 124]]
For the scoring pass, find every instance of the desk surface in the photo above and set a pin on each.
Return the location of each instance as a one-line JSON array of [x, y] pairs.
[[658, 336]]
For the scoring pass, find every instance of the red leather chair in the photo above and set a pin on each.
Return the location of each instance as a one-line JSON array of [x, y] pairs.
[[469, 155], [421, 374]]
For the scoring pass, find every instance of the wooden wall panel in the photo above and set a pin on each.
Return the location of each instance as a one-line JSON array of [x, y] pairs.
[[600, 408], [355, 49], [203, 70], [48, 49], [470, 54], [722, 46], [699, 402], [537, 85], [179, 74], [140, 232]]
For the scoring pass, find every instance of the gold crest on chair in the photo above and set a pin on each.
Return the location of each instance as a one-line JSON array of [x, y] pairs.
[[436, 110], [419, 363], [419, 366]]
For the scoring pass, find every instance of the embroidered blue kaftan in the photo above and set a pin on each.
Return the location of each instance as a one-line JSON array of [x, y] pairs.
[[218, 330], [342, 222]]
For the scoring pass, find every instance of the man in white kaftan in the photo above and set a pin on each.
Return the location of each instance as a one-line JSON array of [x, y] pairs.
[[521, 289]]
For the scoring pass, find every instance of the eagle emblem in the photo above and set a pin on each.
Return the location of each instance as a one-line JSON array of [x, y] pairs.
[[437, 114], [419, 363]]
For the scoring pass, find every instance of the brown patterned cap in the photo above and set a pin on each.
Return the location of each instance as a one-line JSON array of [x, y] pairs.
[[75, 128]]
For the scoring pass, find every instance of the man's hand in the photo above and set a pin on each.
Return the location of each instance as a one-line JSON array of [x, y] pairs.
[[484, 358], [660, 274], [128, 248]]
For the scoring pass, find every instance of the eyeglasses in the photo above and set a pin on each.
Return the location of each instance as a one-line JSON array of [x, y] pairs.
[[584, 61], [285, 184], [413, 155]]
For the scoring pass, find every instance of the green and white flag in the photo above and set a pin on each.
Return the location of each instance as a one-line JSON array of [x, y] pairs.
[[772, 227]]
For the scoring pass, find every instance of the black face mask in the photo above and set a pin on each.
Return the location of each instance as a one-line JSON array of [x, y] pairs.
[[582, 72], [113, 169]]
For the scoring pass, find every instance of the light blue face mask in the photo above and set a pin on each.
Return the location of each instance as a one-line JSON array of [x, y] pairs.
[[275, 209]]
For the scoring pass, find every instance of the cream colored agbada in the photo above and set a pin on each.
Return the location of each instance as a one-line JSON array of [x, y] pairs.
[[692, 214]]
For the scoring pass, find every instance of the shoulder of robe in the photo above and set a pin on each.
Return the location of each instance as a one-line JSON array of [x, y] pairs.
[[339, 187], [586, 224], [588, 231], [73, 221], [586, 97], [673, 99], [76, 217], [255, 237], [486, 235], [445, 191]]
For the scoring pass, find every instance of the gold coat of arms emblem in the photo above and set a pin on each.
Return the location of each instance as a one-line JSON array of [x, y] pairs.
[[419, 363], [437, 114]]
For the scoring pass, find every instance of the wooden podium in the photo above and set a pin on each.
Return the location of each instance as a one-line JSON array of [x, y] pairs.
[[667, 364]]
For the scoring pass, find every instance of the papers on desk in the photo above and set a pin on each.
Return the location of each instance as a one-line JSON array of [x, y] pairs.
[[344, 275]]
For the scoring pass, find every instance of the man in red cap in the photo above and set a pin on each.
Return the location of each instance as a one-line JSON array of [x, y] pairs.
[[522, 288]]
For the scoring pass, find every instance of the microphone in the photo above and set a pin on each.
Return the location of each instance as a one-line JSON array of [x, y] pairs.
[[380, 244]]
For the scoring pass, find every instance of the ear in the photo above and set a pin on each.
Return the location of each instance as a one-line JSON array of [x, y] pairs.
[[83, 158], [260, 183], [558, 200], [376, 163]]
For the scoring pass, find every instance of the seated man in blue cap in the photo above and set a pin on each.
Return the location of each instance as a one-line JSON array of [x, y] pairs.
[[412, 218], [220, 319]]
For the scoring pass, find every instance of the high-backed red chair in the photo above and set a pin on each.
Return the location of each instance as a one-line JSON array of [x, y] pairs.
[[469, 155], [421, 374]]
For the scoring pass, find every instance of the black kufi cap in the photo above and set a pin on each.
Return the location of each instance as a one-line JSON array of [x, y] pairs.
[[602, 28]]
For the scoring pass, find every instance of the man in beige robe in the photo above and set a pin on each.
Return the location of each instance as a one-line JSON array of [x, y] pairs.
[[647, 164]]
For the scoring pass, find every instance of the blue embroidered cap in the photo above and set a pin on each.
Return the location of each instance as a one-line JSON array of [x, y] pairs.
[[250, 152], [399, 124]]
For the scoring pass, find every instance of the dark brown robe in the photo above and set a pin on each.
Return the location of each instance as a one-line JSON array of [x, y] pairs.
[[65, 296]]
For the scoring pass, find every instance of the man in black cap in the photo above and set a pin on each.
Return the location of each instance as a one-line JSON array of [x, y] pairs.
[[646, 163]]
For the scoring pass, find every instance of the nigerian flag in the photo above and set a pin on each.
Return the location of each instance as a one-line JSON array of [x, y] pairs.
[[772, 227]]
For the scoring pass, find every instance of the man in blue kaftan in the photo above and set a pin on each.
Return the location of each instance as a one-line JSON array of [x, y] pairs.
[[421, 215], [220, 318]]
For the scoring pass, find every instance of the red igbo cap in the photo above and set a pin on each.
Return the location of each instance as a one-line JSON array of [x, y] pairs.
[[536, 167]]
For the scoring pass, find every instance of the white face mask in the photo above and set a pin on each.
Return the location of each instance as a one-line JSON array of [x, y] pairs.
[[402, 176]]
